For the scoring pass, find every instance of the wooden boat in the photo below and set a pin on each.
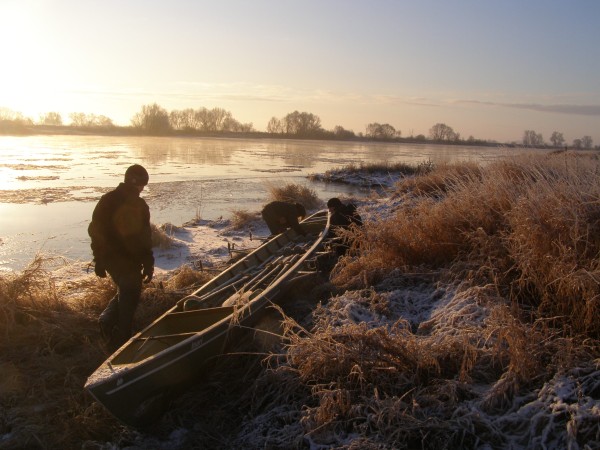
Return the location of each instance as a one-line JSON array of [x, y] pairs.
[[172, 351]]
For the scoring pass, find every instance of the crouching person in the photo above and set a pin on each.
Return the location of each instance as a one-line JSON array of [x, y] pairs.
[[279, 216], [342, 217]]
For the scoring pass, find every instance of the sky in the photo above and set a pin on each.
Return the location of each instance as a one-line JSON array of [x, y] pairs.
[[488, 69]]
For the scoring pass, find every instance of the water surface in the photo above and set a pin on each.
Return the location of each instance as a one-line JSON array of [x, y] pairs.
[[49, 185]]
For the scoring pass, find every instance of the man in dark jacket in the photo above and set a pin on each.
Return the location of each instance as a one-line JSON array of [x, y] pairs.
[[280, 216], [122, 247]]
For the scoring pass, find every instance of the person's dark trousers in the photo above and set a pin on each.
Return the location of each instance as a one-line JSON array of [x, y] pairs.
[[118, 315], [272, 221]]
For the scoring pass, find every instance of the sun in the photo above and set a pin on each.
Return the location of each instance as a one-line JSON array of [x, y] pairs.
[[27, 79]]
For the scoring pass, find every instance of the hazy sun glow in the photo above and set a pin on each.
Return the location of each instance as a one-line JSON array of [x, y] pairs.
[[32, 76]]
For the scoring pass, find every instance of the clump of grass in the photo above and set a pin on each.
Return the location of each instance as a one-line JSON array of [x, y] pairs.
[[384, 386], [185, 278], [242, 218], [161, 236], [398, 170], [293, 193]]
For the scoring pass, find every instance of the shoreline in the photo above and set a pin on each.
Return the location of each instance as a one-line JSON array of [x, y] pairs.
[[67, 130]]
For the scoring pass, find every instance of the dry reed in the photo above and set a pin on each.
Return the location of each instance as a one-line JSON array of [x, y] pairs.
[[504, 355], [50, 344], [49, 347], [161, 236], [242, 218], [530, 225], [516, 245], [292, 192]]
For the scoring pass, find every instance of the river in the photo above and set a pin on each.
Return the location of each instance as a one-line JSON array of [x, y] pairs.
[[49, 185]]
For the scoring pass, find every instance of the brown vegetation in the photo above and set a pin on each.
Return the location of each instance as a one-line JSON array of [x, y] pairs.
[[293, 193], [241, 218], [50, 345], [514, 247], [529, 225], [468, 319], [371, 174]]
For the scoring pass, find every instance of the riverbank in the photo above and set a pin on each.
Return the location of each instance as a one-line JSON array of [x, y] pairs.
[[8, 128], [466, 319]]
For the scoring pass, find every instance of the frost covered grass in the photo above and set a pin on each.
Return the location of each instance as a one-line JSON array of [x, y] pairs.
[[469, 318], [465, 317], [242, 218], [161, 235], [530, 226], [371, 174]]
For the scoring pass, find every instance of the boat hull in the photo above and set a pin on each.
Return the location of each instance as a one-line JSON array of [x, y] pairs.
[[173, 351]]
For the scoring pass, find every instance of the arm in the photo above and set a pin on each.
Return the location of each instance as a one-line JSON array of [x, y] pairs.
[[98, 231], [292, 221]]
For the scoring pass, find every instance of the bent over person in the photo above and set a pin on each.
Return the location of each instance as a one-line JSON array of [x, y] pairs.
[[122, 247], [279, 216], [342, 216]]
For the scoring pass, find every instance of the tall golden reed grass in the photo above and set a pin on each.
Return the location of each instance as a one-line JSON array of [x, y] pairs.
[[50, 344], [517, 244], [530, 225]]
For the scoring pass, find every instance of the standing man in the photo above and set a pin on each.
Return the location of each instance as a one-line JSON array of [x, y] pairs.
[[122, 247], [280, 216]]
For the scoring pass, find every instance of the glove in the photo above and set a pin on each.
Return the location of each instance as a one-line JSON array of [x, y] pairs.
[[148, 273], [100, 270]]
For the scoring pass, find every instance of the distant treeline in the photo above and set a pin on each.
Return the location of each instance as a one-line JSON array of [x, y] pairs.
[[155, 120]]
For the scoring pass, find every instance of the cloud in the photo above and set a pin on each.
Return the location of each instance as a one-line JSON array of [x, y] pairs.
[[249, 92], [582, 110], [415, 101], [202, 92]]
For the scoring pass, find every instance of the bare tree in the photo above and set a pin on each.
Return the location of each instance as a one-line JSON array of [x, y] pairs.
[[232, 125], [219, 117], [90, 120], [442, 132], [51, 118], [557, 139], [176, 120], [275, 126], [302, 124], [9, 115], [381, 131], [202, 119], [78, 119], [587, 142], [152, 118], [104, 122], [342, 133], [532, 139]]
